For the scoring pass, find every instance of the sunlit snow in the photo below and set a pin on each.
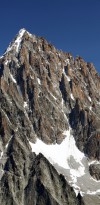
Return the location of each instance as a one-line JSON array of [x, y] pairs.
[[13, 79], [60, 153], [72, 97], [93, 192], [39, 82], [17, 42], [25, 104], [89, 98], [70, 161], [68, 78]]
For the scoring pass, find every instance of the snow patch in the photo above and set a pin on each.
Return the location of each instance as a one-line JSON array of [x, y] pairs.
[[66, 149], [19, 38], [8, 98], [1, 154], [39, 48], [17, 42], [72, 97], [89, 98], [93, 192], [13, 79], [32, 77], [67, 61], [39, 82], [25, 104], [90, 108], [6, 62], [77, 173], [76, 189], [8, 142], [68, 78], [97, 181], [30, 35], [69, 161], [52, 95], [93, 162]]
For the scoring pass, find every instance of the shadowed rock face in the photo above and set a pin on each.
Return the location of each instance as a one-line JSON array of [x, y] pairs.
[[95, 171], [42, 91], [31, 179]]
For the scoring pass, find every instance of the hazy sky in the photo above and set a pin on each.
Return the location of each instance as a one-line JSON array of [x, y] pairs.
[[71, 25]]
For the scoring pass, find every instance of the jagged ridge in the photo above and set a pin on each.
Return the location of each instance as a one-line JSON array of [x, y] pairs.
[[42, 91]]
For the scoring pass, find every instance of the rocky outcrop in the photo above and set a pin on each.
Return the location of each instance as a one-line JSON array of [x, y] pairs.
[[93, 146], [95, 171]]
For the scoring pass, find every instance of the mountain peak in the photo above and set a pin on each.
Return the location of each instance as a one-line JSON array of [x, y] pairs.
[[15, 44], [22, 30], [49, 104]]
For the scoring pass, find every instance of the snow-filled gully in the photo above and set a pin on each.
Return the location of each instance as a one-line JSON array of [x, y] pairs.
[[72, 163]]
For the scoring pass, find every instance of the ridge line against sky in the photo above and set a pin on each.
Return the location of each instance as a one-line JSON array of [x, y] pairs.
[[70, 25]]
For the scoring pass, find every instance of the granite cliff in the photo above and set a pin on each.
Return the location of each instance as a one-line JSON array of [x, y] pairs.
[[49, 97]]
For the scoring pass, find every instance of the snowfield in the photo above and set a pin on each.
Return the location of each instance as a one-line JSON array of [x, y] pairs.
[[70, 161]]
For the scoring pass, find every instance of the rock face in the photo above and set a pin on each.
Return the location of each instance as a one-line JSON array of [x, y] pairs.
[[43, 91], [95, 171], [31, 179]]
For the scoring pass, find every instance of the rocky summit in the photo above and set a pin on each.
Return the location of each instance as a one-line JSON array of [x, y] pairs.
[[49, 125]]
